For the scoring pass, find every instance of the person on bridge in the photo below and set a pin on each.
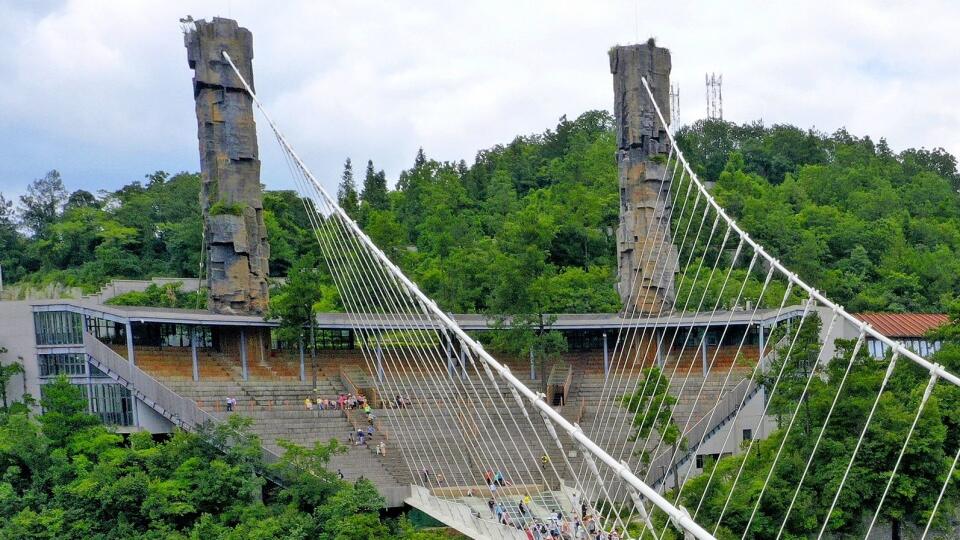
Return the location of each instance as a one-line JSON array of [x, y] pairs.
[[544, 461]]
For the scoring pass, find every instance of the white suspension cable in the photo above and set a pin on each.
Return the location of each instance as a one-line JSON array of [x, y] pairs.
[[681, 518]]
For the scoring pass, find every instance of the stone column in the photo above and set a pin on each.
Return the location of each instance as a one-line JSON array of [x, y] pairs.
[[645, 247], [237, 250]]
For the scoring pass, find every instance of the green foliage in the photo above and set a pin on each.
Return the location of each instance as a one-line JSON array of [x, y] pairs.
[[918, 481], [65, 476], [167, 295], [652, 407], [876, 231], [7, 372], [222, 207]]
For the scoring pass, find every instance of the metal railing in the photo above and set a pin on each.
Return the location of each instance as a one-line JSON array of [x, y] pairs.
[[182, 411], [704, 429]]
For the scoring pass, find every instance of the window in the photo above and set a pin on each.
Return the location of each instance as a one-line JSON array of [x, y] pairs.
[[109, 332], [172, 335], [700, 460], [334, 339], [58, 328], [584, 340], [748, 434], [111, 402], [67, 364]]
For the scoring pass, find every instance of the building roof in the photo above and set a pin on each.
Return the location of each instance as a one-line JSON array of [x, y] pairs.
[[469, 322], [901, 325]]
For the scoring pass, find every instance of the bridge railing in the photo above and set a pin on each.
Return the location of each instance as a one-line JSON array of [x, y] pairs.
[[182, 411]]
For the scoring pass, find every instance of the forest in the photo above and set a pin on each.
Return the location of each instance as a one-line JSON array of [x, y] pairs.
[[527, 229], [67, 476], [530, 226]]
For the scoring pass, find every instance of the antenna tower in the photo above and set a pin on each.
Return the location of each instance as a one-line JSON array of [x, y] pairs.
[[714, 88], [675, 104]]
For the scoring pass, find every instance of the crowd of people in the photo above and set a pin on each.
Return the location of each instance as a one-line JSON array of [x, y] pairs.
[[343, 402]]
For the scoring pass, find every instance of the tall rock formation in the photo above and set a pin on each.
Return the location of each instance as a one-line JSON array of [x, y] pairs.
[[647, 257], [237, 249]]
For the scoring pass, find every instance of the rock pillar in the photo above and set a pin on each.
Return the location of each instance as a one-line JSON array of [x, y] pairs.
[[647, 257], [237, 250]]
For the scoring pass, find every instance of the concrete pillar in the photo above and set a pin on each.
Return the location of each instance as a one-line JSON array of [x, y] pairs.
[[451, 366], [533, 368], [661, 355], [379, 360], [243, 354], [703, 353], [237, 249], [303, 367], [193, 353], [646, 279], [606, 358], [131, 357]]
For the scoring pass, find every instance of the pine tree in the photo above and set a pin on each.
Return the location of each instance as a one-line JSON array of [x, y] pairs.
[[375, 188], [347, 192]]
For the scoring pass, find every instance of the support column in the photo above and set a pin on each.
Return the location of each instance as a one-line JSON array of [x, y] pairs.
[[703, 352], [131, 357], [243, 354], [237, 252], [606, 358], [379, 359], [451, 367], [533, 368], [303, 367], [661, 361], [193, 353], [645, 278]]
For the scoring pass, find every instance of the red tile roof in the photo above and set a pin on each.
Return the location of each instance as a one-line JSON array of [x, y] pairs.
[[903, 324]]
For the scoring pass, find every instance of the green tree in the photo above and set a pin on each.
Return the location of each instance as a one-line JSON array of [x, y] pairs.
[[42, 203], [374, 188], [7, 372], [347, 196], [308, 290]]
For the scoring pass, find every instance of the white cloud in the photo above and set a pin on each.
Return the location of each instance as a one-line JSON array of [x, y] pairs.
[[101, 89]]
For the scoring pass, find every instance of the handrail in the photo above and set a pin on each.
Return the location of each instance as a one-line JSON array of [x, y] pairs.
[[182, 411], [567, 383], [728, 406]]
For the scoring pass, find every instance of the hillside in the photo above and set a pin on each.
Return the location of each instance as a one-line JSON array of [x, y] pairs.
[[529, 227]]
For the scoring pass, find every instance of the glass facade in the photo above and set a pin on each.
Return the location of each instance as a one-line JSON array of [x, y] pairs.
[[921, 346], [69, 364], [58, 328], [173, 335], [333, 339], [111, 402], [107, 331]]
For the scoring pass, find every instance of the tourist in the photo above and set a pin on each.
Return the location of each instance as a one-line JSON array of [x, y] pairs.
[[490, 503], [440, 479], [425, 473], [544, 461], [370, 431], [488, 476], [350, 439], [383, 448], [308, 404], [230, 403], [361, 438], [340, 474]]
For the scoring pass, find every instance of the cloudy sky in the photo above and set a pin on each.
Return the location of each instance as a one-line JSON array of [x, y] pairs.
[[101, 91]]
